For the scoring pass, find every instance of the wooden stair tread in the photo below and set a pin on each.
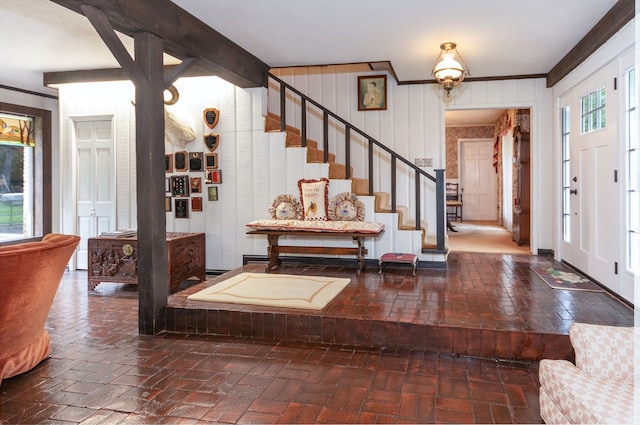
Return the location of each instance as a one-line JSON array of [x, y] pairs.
[[359, 186]]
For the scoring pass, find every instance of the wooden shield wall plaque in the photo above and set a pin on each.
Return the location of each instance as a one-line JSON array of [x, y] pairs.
[[211, 141], [211, 117]]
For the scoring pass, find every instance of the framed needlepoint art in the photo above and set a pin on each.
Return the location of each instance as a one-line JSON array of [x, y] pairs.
[[372, 93]]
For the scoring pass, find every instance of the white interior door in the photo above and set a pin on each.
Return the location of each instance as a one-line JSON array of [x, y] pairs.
[[95, 185], [478, 180], [594, 221]]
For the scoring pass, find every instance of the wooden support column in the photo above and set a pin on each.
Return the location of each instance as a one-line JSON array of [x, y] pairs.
[[153, 280]]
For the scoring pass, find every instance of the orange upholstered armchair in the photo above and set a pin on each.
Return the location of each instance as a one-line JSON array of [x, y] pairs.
[[30, 273]]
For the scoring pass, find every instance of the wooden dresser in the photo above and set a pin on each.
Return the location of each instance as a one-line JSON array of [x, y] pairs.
[[115, 259]]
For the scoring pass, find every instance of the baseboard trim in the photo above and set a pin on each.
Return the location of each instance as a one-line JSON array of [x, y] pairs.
[[371, 262]]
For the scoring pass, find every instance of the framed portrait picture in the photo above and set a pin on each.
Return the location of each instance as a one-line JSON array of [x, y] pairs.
[[180, 186], [180, 162], [195, 161], [196, 203], [168, 163], [212, 193], [181, 208], [196, 184], [372, 92], [211, 161]]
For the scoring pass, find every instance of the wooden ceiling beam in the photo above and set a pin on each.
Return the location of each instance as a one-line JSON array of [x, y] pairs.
[[617, 17], [184, 37], [171, 72]]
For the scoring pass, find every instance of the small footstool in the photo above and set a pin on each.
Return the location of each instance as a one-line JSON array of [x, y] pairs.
[[396, 257]]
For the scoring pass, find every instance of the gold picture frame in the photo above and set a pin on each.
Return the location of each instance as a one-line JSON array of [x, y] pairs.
[[372, 92]]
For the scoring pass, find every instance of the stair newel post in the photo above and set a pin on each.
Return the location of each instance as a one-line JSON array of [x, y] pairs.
[[393, 183], [418, 212], [440, 209], [283, 102], [347, 151], [370, 167], [325, 125], [303, 122]]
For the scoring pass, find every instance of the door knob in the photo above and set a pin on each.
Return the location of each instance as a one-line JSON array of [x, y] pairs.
[[573, 191]]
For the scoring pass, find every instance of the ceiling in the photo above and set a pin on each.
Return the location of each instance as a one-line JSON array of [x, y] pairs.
[[496, 38]]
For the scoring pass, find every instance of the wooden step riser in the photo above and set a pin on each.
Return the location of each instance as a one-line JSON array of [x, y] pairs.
[[338, 171]]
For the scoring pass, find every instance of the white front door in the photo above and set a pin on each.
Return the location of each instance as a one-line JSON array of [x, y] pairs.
[[478, 180], [594, 195], [95, 182]]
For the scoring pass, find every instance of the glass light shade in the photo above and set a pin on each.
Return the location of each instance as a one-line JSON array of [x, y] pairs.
[[449, 68]]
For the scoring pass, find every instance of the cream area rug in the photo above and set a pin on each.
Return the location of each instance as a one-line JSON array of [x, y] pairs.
[[274, 290], [483, 236]]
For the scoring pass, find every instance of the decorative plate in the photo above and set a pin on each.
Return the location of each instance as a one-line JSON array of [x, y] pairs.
[[286, 207], [346, 207]]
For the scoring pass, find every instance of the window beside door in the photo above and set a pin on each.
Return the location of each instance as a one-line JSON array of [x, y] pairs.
[[633, 175], [566, 175]]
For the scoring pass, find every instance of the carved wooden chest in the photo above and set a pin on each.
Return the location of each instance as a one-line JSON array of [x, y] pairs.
[[115, 259]]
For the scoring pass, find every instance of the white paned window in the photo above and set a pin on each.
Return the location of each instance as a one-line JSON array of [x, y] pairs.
[[633, 176], [566, 176], [17, 146], [593, 113]]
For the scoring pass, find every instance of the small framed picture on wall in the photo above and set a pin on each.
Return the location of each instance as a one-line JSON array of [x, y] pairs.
[[196, 184], [211, 161], [180, 186], [212, 193], [196, 203], [372, 93], [195, 161], [180, 162], [216, 176], [181, 208], [168, 163]]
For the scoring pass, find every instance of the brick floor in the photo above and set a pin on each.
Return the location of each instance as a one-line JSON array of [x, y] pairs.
[[101, 371]]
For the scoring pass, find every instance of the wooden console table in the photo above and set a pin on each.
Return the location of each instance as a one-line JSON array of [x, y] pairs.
[[274, 250], [115, 259]]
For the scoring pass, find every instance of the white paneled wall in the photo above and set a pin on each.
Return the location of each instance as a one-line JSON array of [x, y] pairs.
[[255, 165], [413, 126]]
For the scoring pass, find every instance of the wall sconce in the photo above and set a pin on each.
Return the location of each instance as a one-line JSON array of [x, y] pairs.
[[449, 68]]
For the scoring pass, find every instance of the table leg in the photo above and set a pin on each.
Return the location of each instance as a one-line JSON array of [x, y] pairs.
[[361, 251], [272, 252]]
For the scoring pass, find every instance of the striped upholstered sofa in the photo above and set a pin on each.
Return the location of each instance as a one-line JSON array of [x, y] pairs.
[[599, 388]]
